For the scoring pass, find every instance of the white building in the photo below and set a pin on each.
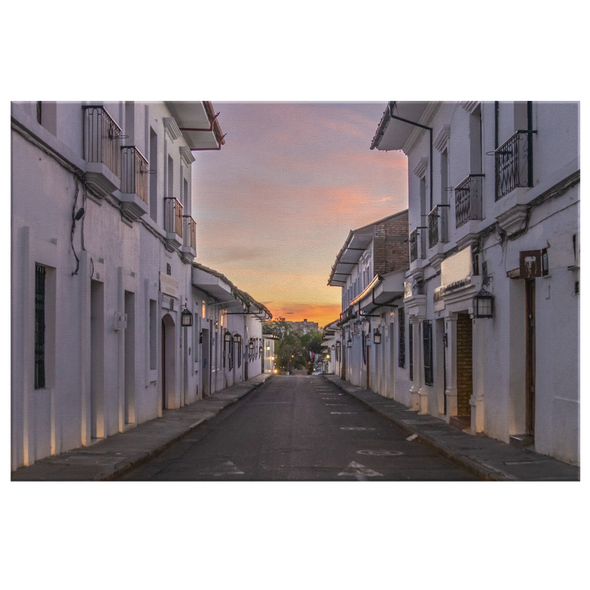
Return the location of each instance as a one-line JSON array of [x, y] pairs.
[[494, 220], [103, 243], [370, 268]]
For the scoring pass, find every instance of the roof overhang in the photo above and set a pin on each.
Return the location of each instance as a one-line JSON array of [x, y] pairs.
[[380, 291], [392, 134], [357, 242], [214, 286], [198, 124]]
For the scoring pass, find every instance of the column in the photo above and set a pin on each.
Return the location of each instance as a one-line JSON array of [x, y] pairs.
[[417, 370]]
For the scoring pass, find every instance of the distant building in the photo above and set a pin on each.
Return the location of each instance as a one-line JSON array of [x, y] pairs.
[[370, 268], [304, 327]]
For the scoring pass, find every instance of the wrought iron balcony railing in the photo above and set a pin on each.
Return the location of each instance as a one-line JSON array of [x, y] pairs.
[[438, 225], [468, 199], [102, 139], [513, 164], [134, 173], [190, 234], [173, 216], [416, 240]]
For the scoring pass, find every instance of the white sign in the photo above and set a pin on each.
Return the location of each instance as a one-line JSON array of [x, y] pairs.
[[168, 285], [456, 268]]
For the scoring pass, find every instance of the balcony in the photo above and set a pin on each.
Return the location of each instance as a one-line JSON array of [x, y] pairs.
[[468, 199], [513, 164], [438, 225], [102, 151], [417, 245], [173, 224], [134, 183], [189, 247]]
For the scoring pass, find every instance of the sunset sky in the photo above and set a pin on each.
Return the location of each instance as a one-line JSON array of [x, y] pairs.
[[276, 203]]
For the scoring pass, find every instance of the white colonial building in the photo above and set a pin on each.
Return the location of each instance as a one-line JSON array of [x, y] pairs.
[[371, 269], [490, 327], [112, 322]]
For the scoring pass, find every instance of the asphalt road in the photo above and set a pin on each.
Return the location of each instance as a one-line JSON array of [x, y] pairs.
[[298, 428]]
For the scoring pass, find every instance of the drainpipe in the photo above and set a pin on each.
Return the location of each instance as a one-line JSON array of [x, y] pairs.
[[391, 104], [496, 124]]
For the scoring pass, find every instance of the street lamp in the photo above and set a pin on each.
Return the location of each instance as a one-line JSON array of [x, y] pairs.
[[484, 304], [377, 336], [186, 318]]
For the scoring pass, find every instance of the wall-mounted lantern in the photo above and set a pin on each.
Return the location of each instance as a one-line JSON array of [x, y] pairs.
[[238, 338], [251, 345], [227, 337], [349, 343], [333, 347], [186, 318], [377, 336], [483, 304], [268, 348], [260, 349]]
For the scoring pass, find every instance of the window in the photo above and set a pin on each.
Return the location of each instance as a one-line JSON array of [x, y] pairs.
[[153, 175], [411, 344], [40, 275], [401, 334], [170, 177], [427, 341], [153, 333]]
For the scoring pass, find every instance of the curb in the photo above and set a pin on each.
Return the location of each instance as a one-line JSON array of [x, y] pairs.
[[483, 473], [132, 465]]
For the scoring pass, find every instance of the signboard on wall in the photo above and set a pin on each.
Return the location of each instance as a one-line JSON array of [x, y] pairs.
[[456, 268], [534, 264], [168, 285]]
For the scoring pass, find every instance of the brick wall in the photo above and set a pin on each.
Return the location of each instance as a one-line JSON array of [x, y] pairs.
[[390, 248], [464, 363]]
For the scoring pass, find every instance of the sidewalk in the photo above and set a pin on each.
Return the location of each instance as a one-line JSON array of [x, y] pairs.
[[113, 456], [486, 458]]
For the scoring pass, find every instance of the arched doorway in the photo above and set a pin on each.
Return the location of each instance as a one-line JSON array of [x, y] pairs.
[[168, 373]]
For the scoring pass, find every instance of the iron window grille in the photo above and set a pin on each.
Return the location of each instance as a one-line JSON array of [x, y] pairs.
[[468, 201], [514, 163], [401, 333], [438, 225], [40, 275], [173, 216], [411, 352], [417, 244], [102, 138], [134, 178], [427, 341]]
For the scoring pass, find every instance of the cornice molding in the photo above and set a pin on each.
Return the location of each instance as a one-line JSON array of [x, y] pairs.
[[426, 118], [441, 140], [470, 105], [186, 155], [420, 167], [172, 128]]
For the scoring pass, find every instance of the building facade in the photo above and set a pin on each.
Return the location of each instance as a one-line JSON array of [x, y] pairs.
[[488, 334], [304, 327], [112, 321], [370, 268]]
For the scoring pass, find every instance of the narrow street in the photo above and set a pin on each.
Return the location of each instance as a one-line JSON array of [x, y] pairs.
[[298, 428]]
